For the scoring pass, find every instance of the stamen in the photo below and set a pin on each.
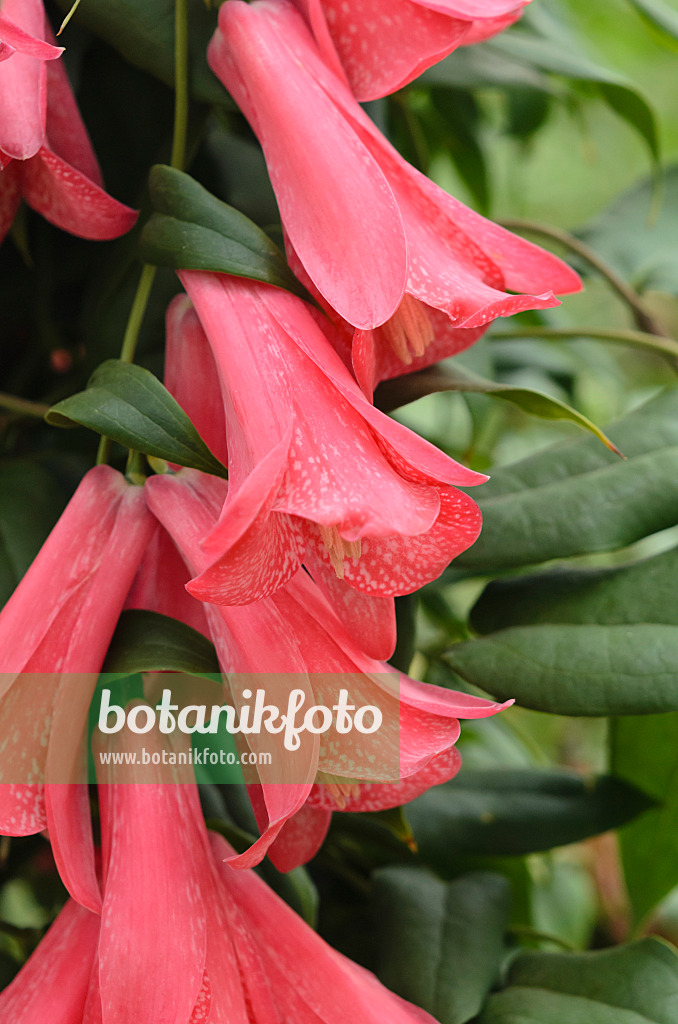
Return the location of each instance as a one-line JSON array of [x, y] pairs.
[[409, 332], [341, 790], [338, 549]]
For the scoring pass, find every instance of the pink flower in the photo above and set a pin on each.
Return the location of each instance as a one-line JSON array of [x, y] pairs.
[[383, 45], [294, 639], [316, 473], [379, 241], [183, 939], [54, 634], [45, 152]]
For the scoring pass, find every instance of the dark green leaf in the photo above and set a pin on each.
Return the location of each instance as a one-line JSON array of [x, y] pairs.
[[575, 497], [193, 230], [634, 984], [127, 403], [295, 887], [645, 752], [144, 34], [576, 670], [550, 55], [146, 641], [440, 943], [454, 377], [518, 811], [477, 67], [30, 504], [642, 592]]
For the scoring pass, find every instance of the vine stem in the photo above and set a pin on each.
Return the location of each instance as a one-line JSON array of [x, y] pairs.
[[22, 406], [657, 343], [641, 314]]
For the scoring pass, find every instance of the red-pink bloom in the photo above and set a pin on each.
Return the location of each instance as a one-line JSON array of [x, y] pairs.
[[183, 939], [45, 152], [294, 639], [316, 473], [382, 45], [54, 634], [379, 241]]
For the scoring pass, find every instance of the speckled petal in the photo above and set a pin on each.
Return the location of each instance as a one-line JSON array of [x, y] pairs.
[[70, 200], [332, 196], [23, 85]]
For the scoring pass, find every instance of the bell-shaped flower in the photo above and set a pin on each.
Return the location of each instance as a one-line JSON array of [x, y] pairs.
[[45, 153], [316, 473], [383, 45], [379, 240], [192, 378], [294, 640], [54, 634], [183, 939]]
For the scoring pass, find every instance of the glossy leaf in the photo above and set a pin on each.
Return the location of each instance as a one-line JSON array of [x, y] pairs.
[[644, 591], [518, 811], [144, 34], [454, 377], [576, 670], [128, 404], [193, 230], [146, 641], [644, 751], [440, 943], [574, 498], [634, 984]]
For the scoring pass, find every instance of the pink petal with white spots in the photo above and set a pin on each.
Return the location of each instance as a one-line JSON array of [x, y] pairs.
[[261, 52], [69, 199]]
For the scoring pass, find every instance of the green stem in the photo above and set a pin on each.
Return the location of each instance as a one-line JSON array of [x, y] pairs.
[[136, 316], [638, 339], [22, 406], [641, 314], [180, 84]]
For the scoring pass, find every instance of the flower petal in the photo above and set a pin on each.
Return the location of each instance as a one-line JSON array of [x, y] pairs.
[[23, 85], [332, 196], [69, 199]]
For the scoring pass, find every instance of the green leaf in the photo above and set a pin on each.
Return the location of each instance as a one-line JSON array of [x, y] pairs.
[[193, 230], [147, 641], [518, 811], [454, 377], [634, 984], [477, 67], [128, 404], [440, 944], [552, 56], [640, 247], [575, 498], [645, 752], [30, 504], [644, 591], [576, 670], [659, 15], [143, 33]]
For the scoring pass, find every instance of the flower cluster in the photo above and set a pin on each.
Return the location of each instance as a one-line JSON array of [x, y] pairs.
[[331, 510]]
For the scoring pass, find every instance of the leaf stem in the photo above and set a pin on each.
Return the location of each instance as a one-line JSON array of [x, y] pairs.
[[22, 406], [657, 343], [641, 314], [136, 316]]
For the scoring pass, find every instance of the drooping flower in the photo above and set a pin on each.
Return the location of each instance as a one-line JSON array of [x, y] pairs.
[[378, 240], [192, 378], [316, 473], [45, 153], [54, 634], [183, 939], [294, 639], [382, 46]]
